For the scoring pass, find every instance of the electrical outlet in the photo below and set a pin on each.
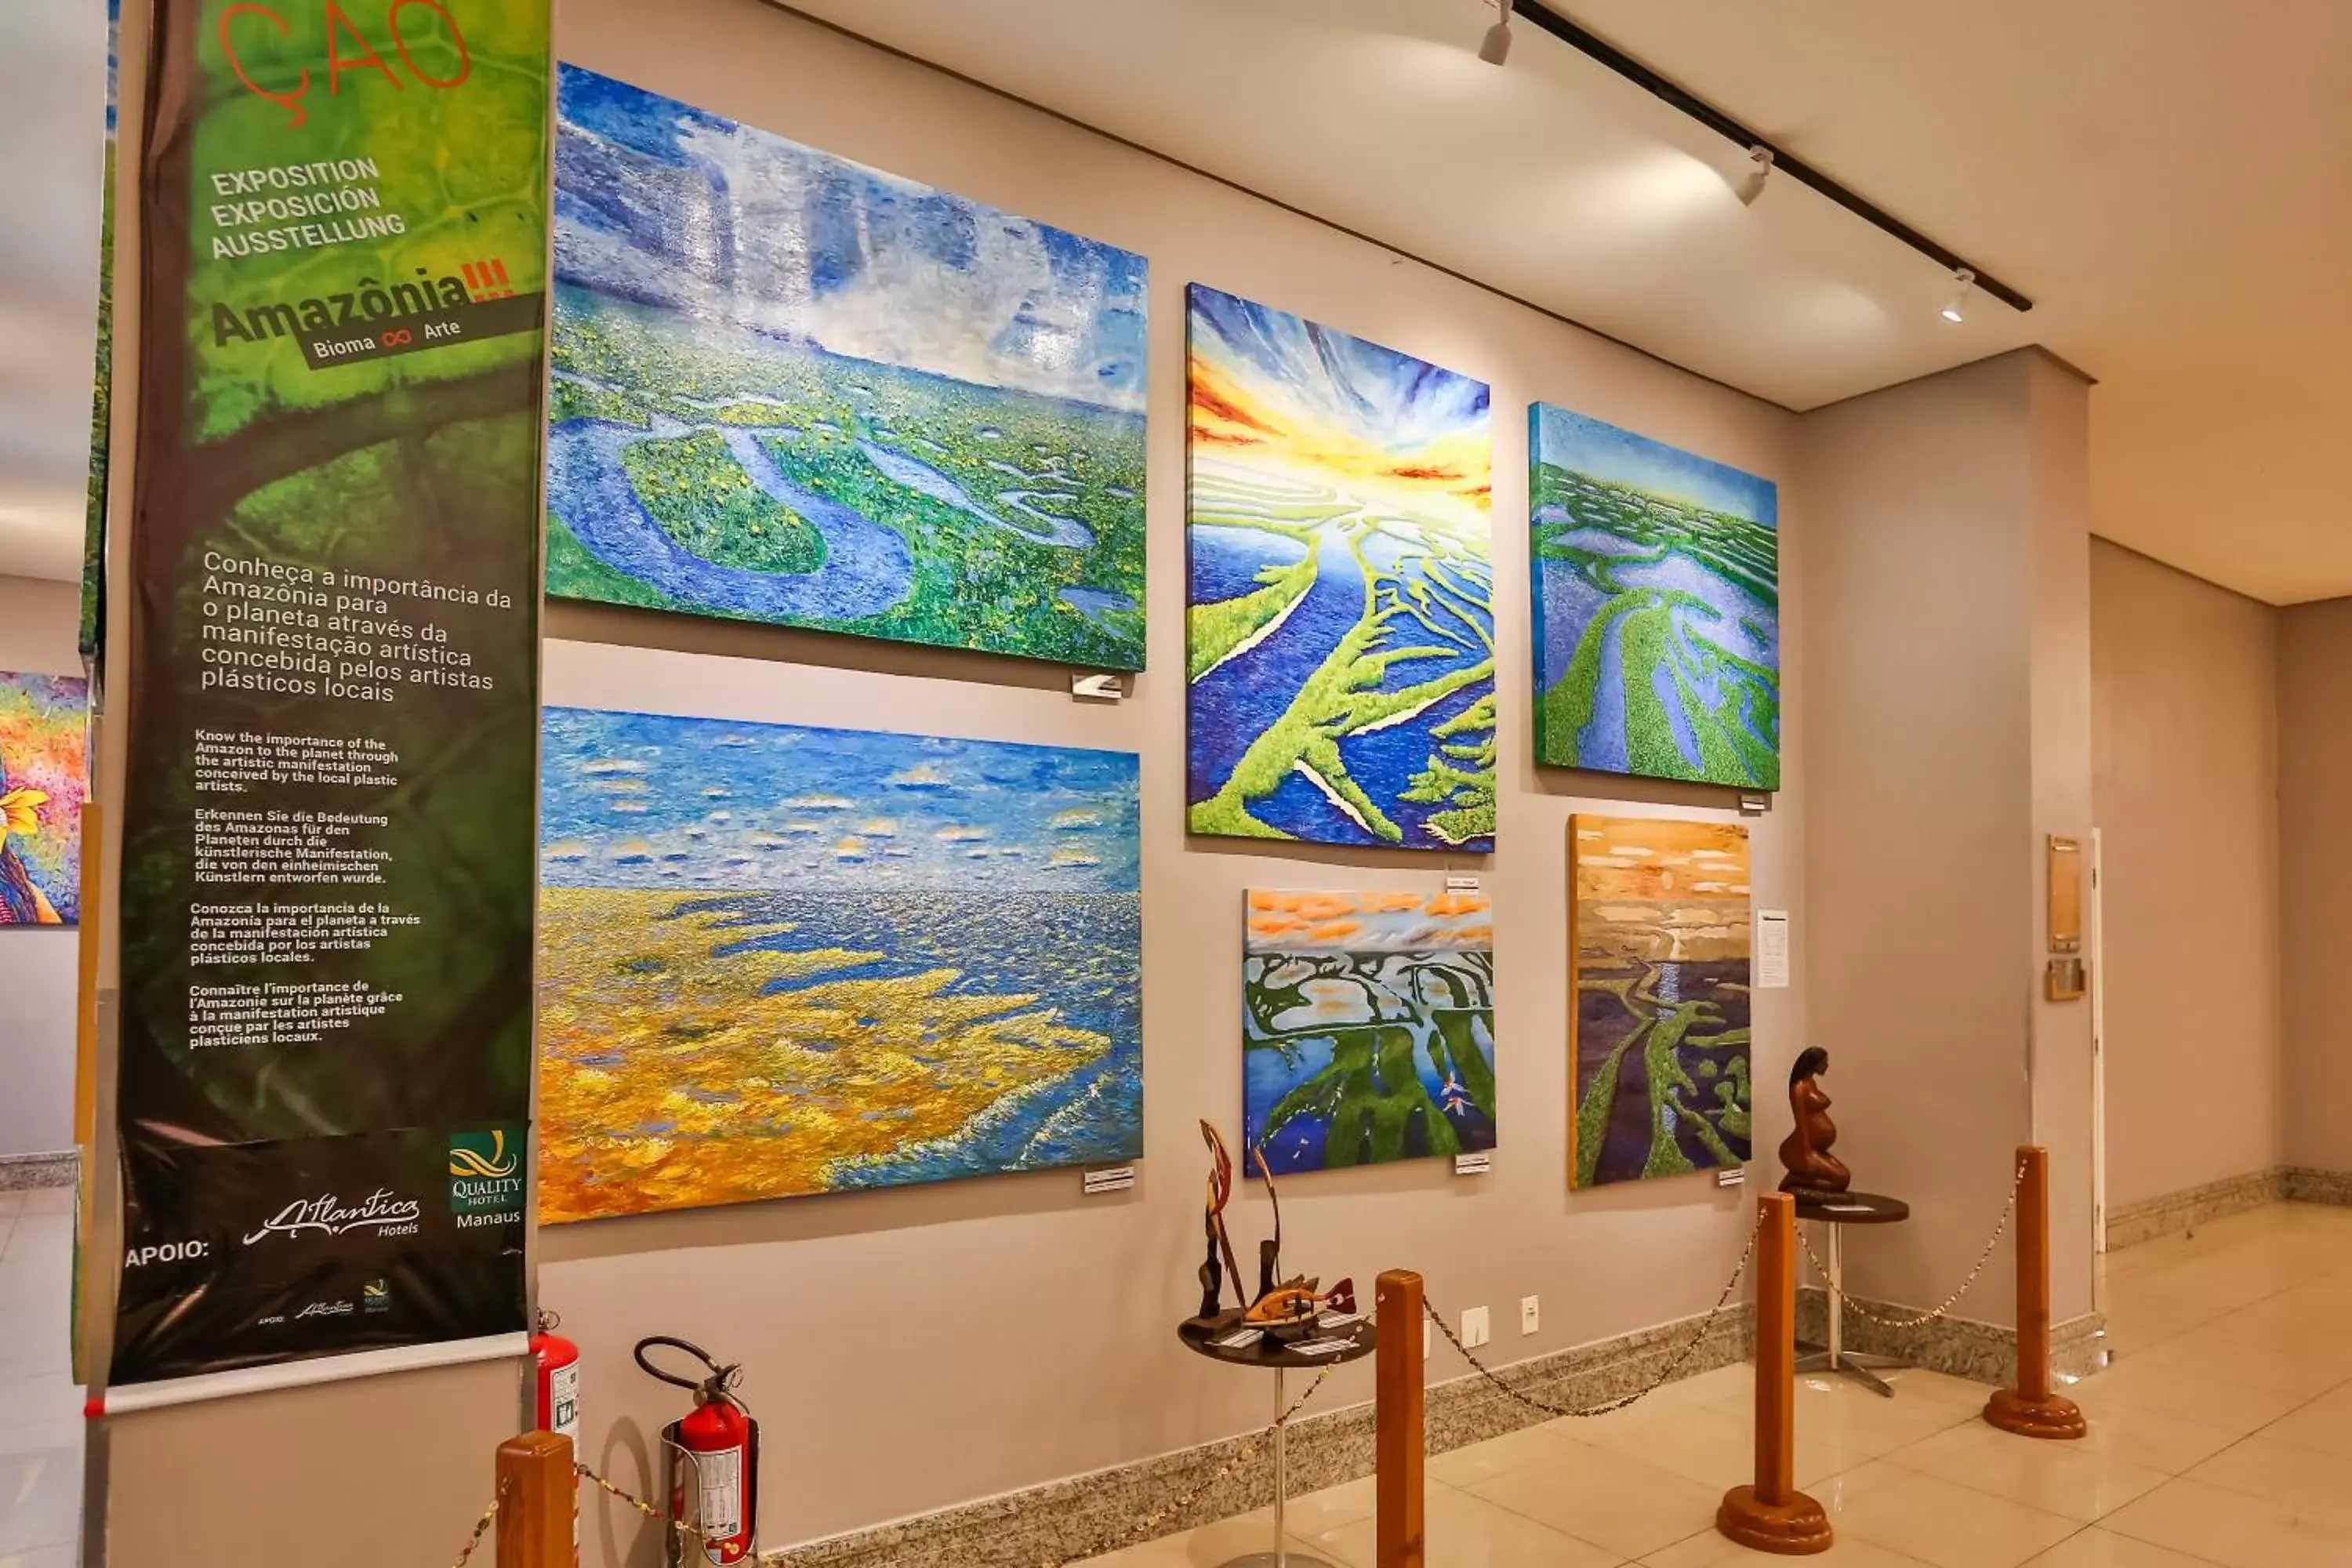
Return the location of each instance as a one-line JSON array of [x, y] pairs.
[[1475, 1332], [1529, 1318]]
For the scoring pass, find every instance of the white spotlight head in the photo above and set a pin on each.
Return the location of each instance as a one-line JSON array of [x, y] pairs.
[[1495, 46], [1963, 280], [1759, 170]]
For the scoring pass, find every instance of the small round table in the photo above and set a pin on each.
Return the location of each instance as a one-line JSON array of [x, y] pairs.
[[1835, 1211], [1202, 1334]]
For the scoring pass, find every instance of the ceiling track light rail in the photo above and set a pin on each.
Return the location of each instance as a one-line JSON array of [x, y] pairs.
[[1780, 163]]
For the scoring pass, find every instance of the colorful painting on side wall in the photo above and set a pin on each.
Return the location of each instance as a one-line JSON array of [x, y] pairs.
[[792, 389], [1657, 604], [776, 961], [1658, 936], [44, 778], [1368, 1027], [1339, 634]]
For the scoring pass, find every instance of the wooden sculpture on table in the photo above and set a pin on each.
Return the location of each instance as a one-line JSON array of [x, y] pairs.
[[1806, 1151], [1219, 1262], [1284, 1309]]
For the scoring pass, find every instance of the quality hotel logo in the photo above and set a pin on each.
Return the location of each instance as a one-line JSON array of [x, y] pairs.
[[471, 1155], [485, 1180]]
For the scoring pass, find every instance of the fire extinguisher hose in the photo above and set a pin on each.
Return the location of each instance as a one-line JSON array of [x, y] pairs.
[[721, 1378]]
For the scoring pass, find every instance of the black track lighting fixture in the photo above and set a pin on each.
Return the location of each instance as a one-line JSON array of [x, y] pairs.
[[1540, 13]]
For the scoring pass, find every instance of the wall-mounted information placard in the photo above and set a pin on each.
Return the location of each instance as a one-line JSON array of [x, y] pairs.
[[328, 831]]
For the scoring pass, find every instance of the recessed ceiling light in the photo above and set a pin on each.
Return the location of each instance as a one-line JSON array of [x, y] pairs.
[[1495, 46], [1759, 170], [1963, 280]]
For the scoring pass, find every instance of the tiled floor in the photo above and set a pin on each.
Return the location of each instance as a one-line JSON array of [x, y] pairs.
[[2221, 1436], [40, 1409]]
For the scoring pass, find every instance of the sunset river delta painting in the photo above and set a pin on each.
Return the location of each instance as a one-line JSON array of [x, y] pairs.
[[776, 961], [1368, 1027], [791, 389], [1340, 635], [1657, 603], [1658, 933]]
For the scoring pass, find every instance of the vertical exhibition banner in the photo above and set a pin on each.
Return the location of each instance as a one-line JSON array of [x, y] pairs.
[[101, 393], [331, 687]]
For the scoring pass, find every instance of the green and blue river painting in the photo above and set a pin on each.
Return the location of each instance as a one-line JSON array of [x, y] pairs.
[[1657, 607], [789, 388]]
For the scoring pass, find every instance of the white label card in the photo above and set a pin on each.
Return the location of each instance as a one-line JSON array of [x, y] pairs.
[[1771, 972]]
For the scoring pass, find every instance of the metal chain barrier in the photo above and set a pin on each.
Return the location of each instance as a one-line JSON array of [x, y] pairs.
[[1247, 1452], [1143, 1527], [1675, 1363], [2008, 1212], [489, 1514], [481, 1527]]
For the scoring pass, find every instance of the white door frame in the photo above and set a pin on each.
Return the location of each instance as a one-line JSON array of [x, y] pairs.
[[2098, 1053]]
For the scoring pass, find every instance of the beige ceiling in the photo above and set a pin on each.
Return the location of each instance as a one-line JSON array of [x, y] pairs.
[[2172, 180], [2169, 180]]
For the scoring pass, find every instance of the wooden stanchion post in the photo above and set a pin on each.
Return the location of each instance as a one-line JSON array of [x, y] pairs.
[[1397, 1445], [2032, 1409], [1772, 1515], [537, 1493]]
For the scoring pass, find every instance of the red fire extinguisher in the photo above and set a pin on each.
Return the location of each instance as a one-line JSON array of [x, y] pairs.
[[712, 1456], [558, 1361]]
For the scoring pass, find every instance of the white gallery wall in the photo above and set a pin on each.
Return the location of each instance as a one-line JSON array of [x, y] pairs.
[[916, 1347], [1045, 1319], [38, 621], [2188, 738]]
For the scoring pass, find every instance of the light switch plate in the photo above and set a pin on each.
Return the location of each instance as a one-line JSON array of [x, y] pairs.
[[1530, 1318], [1475, 1329]]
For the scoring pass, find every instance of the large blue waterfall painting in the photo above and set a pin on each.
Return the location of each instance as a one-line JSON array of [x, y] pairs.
[[789, 388]]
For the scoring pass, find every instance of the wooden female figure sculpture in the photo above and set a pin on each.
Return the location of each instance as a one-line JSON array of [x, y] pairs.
[[1806, 1151]]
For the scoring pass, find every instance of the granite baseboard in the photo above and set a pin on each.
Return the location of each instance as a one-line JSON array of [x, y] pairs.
[[2306, 1184], [2172, 1213], [1957, 1346], [23, 1172], [1084, 1516]]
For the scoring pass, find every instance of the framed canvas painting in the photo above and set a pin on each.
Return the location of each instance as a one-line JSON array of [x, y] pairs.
[[1368, 1027], [1659, 961], [44, 778], [789, 388], [1339, 628], [776, 960], [1657, 607]]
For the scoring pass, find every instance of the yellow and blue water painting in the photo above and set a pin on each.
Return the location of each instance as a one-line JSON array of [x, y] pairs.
[[778, 959]]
